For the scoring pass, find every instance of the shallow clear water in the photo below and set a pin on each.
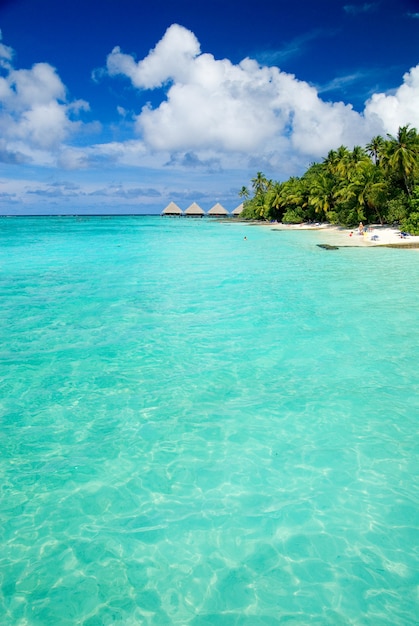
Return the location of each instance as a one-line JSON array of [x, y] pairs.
[[198, 429]]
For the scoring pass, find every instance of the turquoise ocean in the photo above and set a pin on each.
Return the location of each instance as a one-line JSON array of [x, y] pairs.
[[202, 430]]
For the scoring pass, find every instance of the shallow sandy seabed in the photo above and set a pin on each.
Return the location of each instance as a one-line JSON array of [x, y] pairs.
[[375, 235]]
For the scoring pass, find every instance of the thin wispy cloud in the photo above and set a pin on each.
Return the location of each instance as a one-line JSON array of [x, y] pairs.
[[356, 9], [415, 16], [342, 82], [6, 53], [296, 47]]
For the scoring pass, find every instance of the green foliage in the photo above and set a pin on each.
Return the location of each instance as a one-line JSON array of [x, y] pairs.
[[397, 209], [401, 157], [253, 209], [333, 217], [411, 224], [293, 216], [414, 200], [378, 183], [347, 214]]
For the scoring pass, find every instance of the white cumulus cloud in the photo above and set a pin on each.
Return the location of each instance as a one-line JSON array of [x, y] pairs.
[[34, 112], [172, 58], [399, 108], [215, 105], [207, 113]]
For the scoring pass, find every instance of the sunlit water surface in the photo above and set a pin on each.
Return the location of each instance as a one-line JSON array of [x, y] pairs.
[[198, 429]]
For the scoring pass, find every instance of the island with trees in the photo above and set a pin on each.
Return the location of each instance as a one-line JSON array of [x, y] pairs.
[[376, 184]]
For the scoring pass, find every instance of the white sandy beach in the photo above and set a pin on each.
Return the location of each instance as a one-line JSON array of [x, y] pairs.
[[375, 235]]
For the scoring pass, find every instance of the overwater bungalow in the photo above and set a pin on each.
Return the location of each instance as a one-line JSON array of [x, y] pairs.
[[172, 209], [194, 210], [218, 211], [237, 210]]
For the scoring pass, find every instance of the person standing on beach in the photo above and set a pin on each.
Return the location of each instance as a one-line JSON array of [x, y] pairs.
[[361, 228]]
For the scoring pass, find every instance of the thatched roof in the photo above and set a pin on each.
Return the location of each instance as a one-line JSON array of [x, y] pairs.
[[218, 210], [194, 209], [238, 209], [172, 209]]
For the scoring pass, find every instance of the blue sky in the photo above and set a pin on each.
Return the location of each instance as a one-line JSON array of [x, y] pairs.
[[120, 106]]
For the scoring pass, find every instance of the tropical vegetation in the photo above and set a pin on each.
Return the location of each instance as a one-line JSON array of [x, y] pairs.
[[375, 184]]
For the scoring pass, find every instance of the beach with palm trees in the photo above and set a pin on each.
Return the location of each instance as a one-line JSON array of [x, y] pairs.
[[375, 184]]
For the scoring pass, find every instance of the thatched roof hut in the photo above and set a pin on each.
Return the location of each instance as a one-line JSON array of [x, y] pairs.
[[218, 211], [237, 210], [172, 209], [194, 210]]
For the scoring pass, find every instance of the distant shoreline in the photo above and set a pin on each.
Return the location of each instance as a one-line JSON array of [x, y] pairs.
[[330, 235]]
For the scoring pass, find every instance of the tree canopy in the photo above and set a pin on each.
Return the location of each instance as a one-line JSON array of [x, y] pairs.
[[375, 184]]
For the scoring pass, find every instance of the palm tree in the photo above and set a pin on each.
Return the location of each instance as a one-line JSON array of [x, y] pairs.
[[367, 190], [244, 192], [296, 192], [331, 161], [275, 201], [260, 183], [401, 156], [347, 184], [343, 156], [259, 207], [354, 162], [375, 148], [336, 160], [358, 155], [322, 194]]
